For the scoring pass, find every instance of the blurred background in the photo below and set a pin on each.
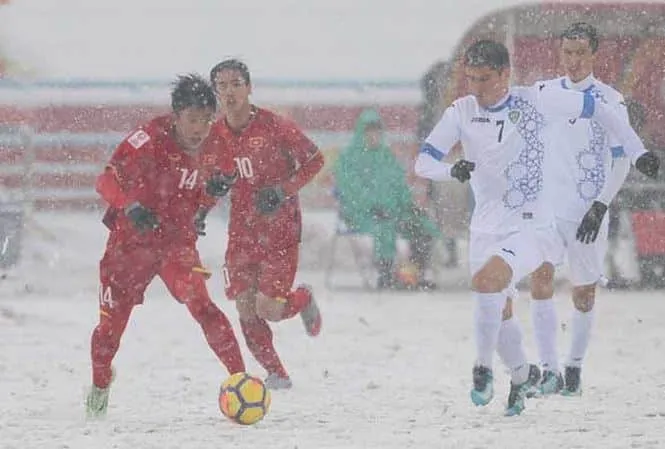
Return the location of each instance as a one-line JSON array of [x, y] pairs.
[[76, 76]]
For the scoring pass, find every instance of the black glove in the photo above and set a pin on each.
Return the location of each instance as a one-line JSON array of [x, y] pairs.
[[462, 170], [219, 184], [200, 221], [143, 219], [379, 213], [587, 231], [648, 164], [269, 199]]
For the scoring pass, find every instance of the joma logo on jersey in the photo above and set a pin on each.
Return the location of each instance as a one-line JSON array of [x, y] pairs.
[[256, 142], [514, 116], [480, 120]]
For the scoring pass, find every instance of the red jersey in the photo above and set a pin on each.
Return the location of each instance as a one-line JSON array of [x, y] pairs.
[[149, 167], [270, 151]]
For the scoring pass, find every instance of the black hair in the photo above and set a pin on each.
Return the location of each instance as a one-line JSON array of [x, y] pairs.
[[488, 53], [231, 64], [192, 90], [582, 30]]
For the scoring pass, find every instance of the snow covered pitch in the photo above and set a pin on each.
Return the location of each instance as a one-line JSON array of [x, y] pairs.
[[389, 370]]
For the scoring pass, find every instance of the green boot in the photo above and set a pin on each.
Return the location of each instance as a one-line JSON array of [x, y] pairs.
[[97, 400]]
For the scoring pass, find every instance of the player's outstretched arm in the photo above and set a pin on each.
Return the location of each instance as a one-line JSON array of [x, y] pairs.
[[446, 133]]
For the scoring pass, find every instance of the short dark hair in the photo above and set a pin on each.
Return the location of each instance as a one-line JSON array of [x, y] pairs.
[[231, 64], [489, 53], [192, 90], [582, 30]]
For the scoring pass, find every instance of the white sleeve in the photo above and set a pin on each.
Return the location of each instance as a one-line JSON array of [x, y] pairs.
[[620, 164], [429, 163], [564, 103], [618, 173]]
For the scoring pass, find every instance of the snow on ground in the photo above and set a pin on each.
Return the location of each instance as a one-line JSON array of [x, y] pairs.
[[389, 370]]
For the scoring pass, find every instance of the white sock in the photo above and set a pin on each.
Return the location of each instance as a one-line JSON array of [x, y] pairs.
[[489, 307], [581, 323], [545, 322], [511, 351], [509, 347]]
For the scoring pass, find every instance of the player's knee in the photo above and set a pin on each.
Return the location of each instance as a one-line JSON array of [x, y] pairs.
[[246, 306], [584, 297], [542, 282], [493, 277], [268, 308]]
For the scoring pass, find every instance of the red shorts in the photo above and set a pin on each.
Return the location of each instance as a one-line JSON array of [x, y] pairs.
[[125, 273], [270, 272]]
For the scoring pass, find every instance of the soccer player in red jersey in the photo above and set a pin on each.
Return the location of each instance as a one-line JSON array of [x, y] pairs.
[[266, 160], [155, 184]]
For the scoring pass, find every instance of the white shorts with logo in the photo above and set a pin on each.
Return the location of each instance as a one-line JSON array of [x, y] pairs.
[[586, 261], [524, 251]]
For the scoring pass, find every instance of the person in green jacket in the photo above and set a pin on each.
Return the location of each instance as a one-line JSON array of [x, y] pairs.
[[374, 198]]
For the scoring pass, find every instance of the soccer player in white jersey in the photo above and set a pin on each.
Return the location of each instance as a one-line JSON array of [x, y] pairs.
[[501, 129], [589, 166]]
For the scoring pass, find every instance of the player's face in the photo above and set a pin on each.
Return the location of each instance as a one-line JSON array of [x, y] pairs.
[[192, 126], [577, 58], [487, 84], [232, 91]]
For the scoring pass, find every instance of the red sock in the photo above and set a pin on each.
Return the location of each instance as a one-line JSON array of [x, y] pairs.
[[259, 341], [222, 340], [105, 342], [296, 300]]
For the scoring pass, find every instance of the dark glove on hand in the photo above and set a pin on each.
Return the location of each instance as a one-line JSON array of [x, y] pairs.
[[200, 221], [379, 213], [269, 199], [462, 170], [648, 164], [219, 184], [143, 219], [587, 231]]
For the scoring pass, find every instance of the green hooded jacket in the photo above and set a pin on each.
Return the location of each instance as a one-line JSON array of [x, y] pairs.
[[367, 179]]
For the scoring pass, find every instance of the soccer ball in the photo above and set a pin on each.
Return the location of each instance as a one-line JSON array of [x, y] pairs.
[[407, 274], [244, 399]]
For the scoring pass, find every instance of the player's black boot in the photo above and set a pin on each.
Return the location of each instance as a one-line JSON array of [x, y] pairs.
[[573, 381]]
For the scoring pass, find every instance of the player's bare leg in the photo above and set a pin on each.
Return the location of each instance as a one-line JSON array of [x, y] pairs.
[[489, 285], [259, 339], [584, 299], [545, 323], [299, 301]]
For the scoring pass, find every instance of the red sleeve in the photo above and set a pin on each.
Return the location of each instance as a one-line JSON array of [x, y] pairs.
[[308, 158], [122, 180]]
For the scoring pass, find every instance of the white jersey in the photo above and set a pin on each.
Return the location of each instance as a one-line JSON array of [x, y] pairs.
[[581, 151], [506, 142]]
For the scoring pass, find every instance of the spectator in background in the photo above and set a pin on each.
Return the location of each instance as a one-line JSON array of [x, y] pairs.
[[375, 199]]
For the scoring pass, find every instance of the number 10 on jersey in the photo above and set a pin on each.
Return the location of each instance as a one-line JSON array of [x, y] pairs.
[[244, 165]]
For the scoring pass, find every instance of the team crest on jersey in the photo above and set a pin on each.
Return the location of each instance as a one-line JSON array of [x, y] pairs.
[[256, 142], [514, 116], [138, 139]]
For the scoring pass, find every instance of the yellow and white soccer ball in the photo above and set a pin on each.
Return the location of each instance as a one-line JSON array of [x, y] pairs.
[[244, 399]]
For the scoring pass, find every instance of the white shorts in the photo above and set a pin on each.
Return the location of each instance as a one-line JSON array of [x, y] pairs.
[[524, 250], [586, 261]]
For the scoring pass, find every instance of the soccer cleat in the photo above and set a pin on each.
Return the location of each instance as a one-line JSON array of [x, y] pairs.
[[276, 382], [573, 381], [552, 383], [516, 398], [533, 381], [483, 385], [311, 315], [97, 400]]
